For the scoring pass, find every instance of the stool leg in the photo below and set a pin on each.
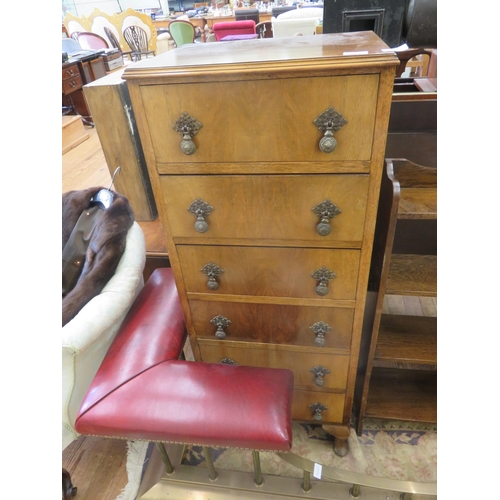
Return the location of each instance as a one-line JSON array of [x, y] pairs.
[[355, 491], [212, 474], [165, 458], [256, 466], [306, 485]]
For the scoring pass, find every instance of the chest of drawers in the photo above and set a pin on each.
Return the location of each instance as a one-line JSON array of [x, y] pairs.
[[71, 78], [265, 158]]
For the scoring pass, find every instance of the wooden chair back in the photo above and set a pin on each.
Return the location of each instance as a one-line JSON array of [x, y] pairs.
[[137, 40], [264, 29], [91, 41]]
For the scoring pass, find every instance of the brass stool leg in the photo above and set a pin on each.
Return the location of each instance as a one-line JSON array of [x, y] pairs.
[[212, 474], [355, 491], [306, 485], [256, 466], [165, 458]]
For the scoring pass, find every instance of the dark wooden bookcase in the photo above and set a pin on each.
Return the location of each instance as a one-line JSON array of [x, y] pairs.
[[399, 378]]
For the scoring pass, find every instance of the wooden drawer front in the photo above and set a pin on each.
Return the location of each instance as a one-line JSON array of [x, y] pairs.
[[70, 72], [268, 206], [272, 356], [263, 120], [71, 84], [333, 402], [270, 271], [276, 324]]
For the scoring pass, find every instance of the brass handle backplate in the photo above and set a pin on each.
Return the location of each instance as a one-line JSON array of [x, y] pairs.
[[188, 127], [328, 122], [227, 361], [319, 374], [326, 210], [320, 329], [324, 276], [220, 322], [201, 209], [318, 409], [212, 271]]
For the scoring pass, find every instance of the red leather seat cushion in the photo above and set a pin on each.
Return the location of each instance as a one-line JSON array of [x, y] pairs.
[[199, 403]]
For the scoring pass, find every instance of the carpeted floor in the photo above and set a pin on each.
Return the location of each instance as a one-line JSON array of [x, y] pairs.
[[397, 450]]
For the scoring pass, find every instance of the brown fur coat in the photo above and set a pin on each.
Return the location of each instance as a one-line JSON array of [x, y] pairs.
[[105, 249]]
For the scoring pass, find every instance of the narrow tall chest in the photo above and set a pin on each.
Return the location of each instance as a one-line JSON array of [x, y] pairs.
[[265, 158]]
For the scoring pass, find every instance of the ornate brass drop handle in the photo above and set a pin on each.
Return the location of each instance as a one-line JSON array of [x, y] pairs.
[[212, 271], [319, 373], [326, 210], [227, 361], [201, 209], [188, 127], [320, 329], [318, 409], [324, 276], [220, 322], [328, 122]]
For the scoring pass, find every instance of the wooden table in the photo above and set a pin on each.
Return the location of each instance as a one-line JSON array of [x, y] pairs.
[[155, 241], [156, 250]]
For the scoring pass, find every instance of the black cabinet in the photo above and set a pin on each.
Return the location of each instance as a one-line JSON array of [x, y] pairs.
[[384, 17]]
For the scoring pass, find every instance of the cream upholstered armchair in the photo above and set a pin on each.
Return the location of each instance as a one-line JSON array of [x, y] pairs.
[[87, 337], [298, 21]]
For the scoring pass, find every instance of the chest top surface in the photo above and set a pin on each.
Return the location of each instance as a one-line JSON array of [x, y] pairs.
[[315, 51]]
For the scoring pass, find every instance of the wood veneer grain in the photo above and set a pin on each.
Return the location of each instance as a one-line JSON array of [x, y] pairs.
[[412, 275], [284, 133], [402, 395], [409, 339], [278, 324]]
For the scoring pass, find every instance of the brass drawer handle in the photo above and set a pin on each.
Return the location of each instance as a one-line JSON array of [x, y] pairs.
[[320, 329], [72, 84], [201, 209], [70, 72], [212, 271], [188, 127], [318, 409], [319, 374], [220, 322], [227, 361], [324, 276], [328, 122], [326, 210]]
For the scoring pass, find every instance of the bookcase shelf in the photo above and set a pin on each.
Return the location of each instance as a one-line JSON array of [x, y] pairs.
[[400, 377]]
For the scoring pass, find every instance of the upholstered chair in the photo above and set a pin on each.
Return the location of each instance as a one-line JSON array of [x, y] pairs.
[[301, 21], [222, 29], [291, 27], [87, 337], [182, 32]]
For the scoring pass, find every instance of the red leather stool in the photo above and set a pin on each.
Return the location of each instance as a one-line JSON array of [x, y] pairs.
[[142, 391]]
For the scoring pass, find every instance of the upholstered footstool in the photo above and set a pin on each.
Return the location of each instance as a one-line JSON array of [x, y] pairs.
[[143, 391]]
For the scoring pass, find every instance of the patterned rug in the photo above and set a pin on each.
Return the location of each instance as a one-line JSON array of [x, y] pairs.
[[396, 450]]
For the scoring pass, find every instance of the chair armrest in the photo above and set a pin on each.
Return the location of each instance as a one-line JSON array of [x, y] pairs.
[[114, 300]]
